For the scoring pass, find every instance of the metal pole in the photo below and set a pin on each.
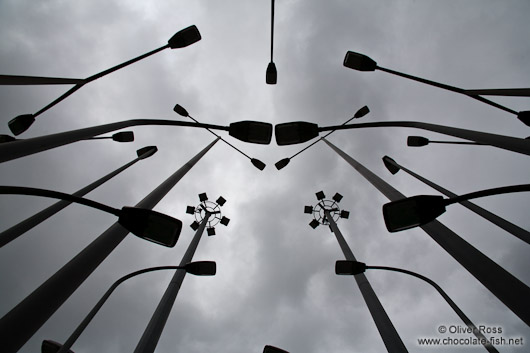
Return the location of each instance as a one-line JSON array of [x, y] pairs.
[[154, 329], [487, 344], [391, 339], [449, 88], [514, 92], [507, 288], [493, 218], [19, 324], [37, 80], [18, 229], [22, 148], [77, 332], [505, 142]]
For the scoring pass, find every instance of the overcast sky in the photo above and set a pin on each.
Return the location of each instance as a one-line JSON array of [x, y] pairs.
[[275, 281]]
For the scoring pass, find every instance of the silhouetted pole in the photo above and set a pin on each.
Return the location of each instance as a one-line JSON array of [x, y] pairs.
[[507, 288], [158, 321], [391, 339], [489, 347], [37, 80], [22, 148], [77, 332], [513, 144], [493, 218], [18, 229], [19, 324]]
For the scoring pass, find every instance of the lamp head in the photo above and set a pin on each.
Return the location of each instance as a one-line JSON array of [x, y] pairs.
[[417, 141], [146, 152], [251, 131], [21, 123], [391, 165], [347, 267], [282, 163], [362, 112], [180, 110], [295, 132], [123, 136], [359, 62], [151, 225], [412, 212], [257, 163], [272, 349], [184, 37], [201, 268], [271, 76]]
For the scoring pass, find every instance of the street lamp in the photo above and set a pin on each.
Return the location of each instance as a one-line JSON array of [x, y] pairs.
[[393, 167], [21, 322], [359, 114], [501, 283], [18, 80], [181, 39], [346, 267], [271, 76], [123, 136], [144, 223], [272, 349], [151, 335], [20, 228], [247, 131], [256, 162], [198, 268], [419, 210], [362, 62], [419, 141], [302, 131], [327, 212]]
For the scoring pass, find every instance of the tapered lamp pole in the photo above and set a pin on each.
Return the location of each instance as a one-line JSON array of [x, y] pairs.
[[156, 325], [181, 39], [209, 266], [355, 267], [513, 229], [362, 62], [506, 287], [325, 212], [19, 324], [20, 228]]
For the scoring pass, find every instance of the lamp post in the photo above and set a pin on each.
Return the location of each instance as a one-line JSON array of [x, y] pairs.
[[18, 80], [513, 229], [271, 76], [204, 211], [21, 322], [359, 114], [502, 284], [354, 268], [327, 212], [301, 131], [144, 223], [181, 39], [123, 136], [247, 131], [255, 162], [198, 268], [419, 210], [419, 141], [20, 228], [362, 62]]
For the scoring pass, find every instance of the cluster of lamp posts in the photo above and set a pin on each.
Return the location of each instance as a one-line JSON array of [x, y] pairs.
[[400, 214]]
